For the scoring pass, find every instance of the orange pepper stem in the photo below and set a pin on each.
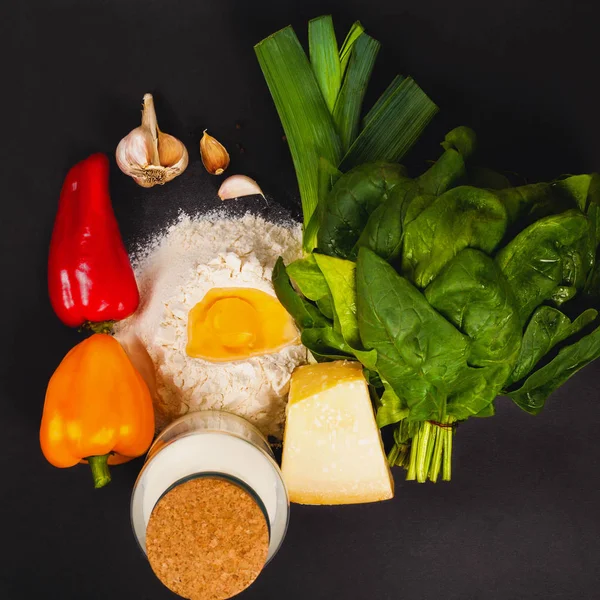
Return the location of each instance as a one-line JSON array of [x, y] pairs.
[[100, 471]]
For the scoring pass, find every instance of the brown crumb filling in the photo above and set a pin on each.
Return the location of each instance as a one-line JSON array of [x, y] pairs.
[[206, 539]]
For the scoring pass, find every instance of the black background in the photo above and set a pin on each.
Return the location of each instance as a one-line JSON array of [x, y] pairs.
[[521, 518]]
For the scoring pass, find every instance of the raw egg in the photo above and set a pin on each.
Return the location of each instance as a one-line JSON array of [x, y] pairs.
[[236, 323]]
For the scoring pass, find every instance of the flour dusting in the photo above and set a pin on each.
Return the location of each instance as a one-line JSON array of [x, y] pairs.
[[174, 272]]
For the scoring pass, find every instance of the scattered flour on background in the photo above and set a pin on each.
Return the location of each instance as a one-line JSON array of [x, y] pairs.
[[174, 271]]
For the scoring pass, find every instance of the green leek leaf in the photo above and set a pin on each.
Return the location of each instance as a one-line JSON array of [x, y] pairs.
[[392, 126], [327, 176], [324, 58], [383, 98], [346, 113], [355, 32], [307, 122]]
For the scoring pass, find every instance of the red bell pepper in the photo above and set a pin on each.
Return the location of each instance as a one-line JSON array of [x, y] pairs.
[[90, 279]]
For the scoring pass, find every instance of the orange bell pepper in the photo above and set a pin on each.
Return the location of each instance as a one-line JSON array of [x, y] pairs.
[[97, 408]]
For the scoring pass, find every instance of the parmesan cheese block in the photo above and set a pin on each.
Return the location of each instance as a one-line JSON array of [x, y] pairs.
[[332, 449]]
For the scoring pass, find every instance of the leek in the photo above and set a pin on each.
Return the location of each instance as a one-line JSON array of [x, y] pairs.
[[347, 109], [327, 176], [307, 122], [383, 98], [324, 58], [394, 125], [319, 102], [355, 32]]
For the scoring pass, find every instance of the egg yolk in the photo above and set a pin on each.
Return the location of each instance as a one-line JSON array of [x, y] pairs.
[[236, 323]]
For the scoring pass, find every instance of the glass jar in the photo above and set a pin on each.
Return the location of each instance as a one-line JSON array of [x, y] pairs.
[[214, 444]]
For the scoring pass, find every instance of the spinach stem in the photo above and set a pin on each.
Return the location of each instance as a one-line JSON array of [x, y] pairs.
[[404, 455], [412, 466], [422, 447], [436, 462], [433, 441], [393, 455], [429, 453], [447, 468]]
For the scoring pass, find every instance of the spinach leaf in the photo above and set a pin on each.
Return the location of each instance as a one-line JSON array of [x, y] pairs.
[[318, 333], [340, 277], [473, 294], [445, 174], [593, 214], [305, 273], [592, 284], [352, 199], [460, 218], [309, 279], [383, 232], [488, 411], [419, 353], [562, 294], [462, 139], [326, 344], [373, 378], [546, 328], [522, 199], [580, 190], [487, 178], [327, 338], [578, 261], [546, 255], [414, 205], [367, 205], [592, 209], [302, 311], [476, 389], [390, 408], [529, 203], [325, 305], [532, 395], [449, 170]]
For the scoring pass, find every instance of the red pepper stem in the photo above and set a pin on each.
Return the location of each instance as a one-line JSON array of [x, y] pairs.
[[100, 471], [99, 327]]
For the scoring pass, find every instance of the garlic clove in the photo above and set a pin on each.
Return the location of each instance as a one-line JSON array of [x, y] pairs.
[[170, 150], [237, 186], [134, 149], [214, 156], [147, 154]]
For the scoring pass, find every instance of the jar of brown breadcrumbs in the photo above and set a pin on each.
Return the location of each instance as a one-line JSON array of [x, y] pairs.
[[209, 508]]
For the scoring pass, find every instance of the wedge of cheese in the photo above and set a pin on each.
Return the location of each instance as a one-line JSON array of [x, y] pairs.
[[332, 449]]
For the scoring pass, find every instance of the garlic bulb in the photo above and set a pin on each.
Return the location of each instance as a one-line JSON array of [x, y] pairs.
[[214, 156], [147, 154], [237, 186]]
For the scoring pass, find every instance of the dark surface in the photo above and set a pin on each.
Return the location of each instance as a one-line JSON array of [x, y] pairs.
[[521, 518]]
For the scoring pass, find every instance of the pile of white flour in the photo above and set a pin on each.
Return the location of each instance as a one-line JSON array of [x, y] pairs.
[[174, 272]]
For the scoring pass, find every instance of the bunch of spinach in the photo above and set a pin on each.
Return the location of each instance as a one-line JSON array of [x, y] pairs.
[[450, 288]]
